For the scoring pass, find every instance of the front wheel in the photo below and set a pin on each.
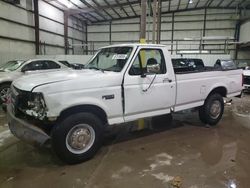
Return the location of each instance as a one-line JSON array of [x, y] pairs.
[[77, 138], [212, 110]]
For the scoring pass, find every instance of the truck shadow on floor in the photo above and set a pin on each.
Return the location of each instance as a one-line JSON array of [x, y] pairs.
[[129, 131]]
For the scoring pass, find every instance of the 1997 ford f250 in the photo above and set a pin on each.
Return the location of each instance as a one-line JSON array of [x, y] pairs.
[[121, 83]]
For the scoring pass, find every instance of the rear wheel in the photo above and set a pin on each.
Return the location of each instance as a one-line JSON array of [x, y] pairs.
[[78, 137], [212, 110]]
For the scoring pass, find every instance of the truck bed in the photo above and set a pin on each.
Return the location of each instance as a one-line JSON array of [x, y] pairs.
[[193, 87]]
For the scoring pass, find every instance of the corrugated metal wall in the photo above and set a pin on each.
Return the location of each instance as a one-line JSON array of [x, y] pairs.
[[175, 27], [17, 36]]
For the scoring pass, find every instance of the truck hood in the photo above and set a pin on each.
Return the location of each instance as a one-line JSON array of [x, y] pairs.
[[70, 77], [246, 72]]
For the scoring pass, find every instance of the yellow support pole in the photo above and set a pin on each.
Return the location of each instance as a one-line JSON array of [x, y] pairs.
[[141, 122]]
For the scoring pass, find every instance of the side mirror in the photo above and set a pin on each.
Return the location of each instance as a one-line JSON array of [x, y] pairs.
[[24, 69], [153, 68]]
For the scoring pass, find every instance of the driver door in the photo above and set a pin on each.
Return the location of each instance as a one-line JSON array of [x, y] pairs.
[[148, 88]]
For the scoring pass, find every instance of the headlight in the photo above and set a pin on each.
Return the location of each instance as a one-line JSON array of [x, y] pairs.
[[36, 106]]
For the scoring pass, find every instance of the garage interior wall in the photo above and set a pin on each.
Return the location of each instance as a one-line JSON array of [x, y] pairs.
[[244, 37], [175, 29], [17, 33]]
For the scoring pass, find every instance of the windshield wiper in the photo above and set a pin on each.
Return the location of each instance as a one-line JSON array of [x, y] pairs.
[[96, 68]]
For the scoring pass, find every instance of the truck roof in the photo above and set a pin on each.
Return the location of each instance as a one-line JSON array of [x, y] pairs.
[[135, 45]]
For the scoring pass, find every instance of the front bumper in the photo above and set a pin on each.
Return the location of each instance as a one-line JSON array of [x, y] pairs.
[[26, 131]]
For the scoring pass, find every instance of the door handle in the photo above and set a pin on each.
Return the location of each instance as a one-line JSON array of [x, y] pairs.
[[167, 80]]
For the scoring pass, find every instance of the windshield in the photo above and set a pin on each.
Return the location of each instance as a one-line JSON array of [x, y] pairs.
[[11, 65], [110, 59]]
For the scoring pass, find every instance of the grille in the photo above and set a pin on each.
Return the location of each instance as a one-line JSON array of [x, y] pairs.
[[247, 80]]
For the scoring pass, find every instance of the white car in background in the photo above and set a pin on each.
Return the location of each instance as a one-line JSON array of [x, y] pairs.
[[14, 69], [246, 76]]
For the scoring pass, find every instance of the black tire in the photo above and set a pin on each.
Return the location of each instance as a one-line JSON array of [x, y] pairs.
[[62, 129], [2, 88], [205, 113]]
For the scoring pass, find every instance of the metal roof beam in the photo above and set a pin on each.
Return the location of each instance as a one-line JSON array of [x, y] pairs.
[[230, 3], [220, 3], [210, 3], [109, 6], [179, 3], [197, 3], [95, 8], [122, 8], [132, 8], [98, 6]]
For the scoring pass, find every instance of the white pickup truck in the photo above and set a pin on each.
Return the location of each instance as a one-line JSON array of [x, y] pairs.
[[121, 83]]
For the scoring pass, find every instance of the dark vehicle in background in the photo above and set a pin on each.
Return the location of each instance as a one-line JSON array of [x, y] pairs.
[[187, 64], [76, 66], [225, 65]]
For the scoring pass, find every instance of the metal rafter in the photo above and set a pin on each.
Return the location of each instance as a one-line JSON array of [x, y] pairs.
[[132, 8], [179, 3], [80, 13], [230, 3], [210, 3], [220, 3], [96, 9], [98, 6], [112, 7], [122, 8], [89, 18], [197, 3]]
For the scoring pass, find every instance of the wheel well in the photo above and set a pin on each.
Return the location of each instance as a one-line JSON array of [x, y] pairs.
[[5, 83], [220, 90], [99, 112]]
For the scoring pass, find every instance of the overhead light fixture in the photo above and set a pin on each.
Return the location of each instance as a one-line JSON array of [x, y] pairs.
[[67, 3], [190, 1]]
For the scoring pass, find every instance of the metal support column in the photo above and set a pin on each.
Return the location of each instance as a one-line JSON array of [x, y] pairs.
[[86, 38], [154, 21], [36, 18], [110, 32], [66, 42], [158, 37], [237, 36], [204, 26], [143, 21], [141, 122], [172, 34]]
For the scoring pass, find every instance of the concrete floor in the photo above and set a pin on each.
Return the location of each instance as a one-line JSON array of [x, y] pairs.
[[186, 151]]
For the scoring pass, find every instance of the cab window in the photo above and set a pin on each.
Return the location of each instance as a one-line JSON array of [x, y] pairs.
[[148, 61]]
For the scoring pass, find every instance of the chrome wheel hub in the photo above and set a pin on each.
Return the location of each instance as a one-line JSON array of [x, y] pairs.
[[215, 109], [80, 138]]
